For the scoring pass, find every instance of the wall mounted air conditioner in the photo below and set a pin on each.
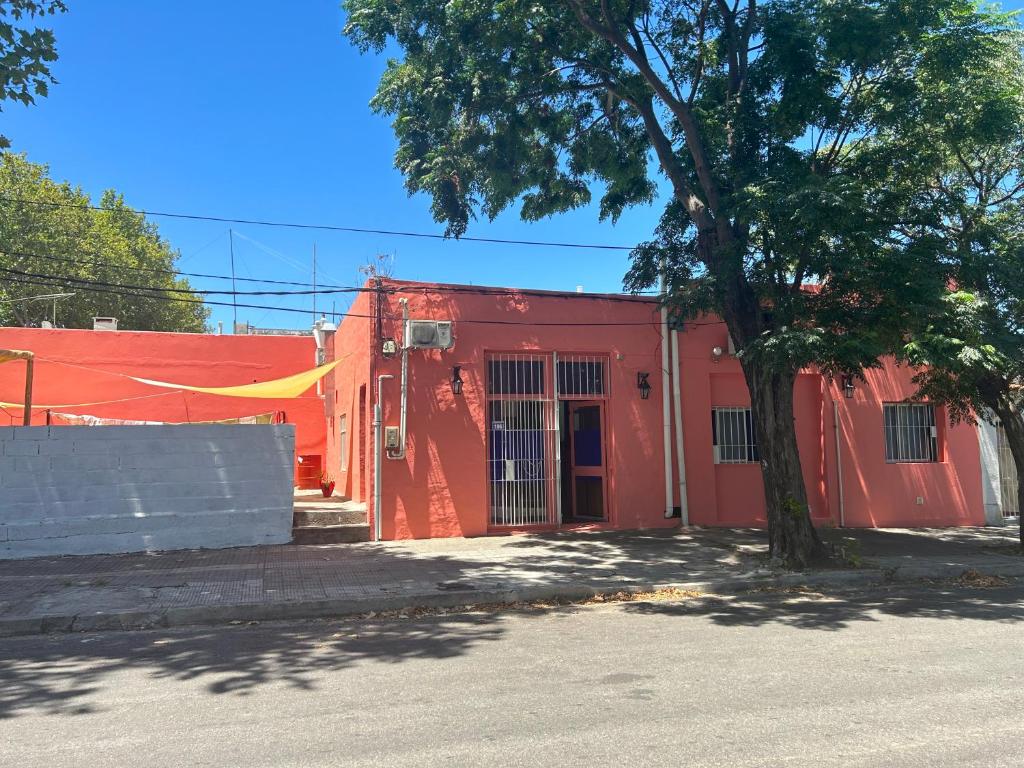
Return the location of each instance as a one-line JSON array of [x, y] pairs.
[[430, 334]]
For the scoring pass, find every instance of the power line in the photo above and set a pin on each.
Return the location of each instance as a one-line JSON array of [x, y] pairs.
[[331, 227], [55, 281], [326, 289], [192, 291]]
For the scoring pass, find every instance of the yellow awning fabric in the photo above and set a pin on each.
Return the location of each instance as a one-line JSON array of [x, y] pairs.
[[284, 388], [6, 355], [289, 386]]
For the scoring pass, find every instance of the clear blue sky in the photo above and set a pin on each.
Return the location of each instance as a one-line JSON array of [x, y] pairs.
[[259, 110]]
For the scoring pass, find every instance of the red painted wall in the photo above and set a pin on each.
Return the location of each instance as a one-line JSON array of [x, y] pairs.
[[72, 366], [440, 489]]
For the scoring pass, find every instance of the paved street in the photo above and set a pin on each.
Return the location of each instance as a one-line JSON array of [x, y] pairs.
[[880, 678]]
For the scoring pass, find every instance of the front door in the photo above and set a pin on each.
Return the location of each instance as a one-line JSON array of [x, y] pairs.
[[588, 465]]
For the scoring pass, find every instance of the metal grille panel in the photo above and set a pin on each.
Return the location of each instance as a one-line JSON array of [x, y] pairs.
[[582, 376], [910, 433], [522, 440], [733, 437], [1008, 480]]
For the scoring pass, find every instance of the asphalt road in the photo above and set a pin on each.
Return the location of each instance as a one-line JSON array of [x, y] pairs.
[[908, 678]]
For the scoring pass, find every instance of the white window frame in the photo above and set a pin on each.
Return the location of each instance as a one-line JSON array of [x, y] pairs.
[[343, 441], [913, 435], [741, 446]]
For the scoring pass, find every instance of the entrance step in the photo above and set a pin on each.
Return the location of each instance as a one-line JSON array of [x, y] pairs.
[[333, 520], [333, 516], [330, 534]]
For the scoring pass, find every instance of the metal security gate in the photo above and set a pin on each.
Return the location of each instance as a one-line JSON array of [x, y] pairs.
[[1008, 480], [523, 441]]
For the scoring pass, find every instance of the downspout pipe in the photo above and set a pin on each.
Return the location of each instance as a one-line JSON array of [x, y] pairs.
[[404, 407], [666, 409], [839, 463], [378, 417], [677, 407]]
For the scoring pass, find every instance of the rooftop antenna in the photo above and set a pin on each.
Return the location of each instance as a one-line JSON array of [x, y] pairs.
[[234, 293], [314, 282]]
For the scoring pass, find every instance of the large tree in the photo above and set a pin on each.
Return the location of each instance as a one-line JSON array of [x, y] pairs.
[[759, 115], [26, 51], [52, 241]]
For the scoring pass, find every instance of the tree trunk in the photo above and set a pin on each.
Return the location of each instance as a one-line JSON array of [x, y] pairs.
[[791, 536], [1012, 419]]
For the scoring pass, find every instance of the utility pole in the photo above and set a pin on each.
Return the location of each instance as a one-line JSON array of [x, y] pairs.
[[234, 293], [314, 283]]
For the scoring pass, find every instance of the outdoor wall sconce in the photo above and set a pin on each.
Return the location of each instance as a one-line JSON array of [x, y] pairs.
[[643, 385], [848, 386], [456, 381]]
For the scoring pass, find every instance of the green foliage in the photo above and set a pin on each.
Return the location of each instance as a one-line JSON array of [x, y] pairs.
[[38, 240], [773, 122], [26, 51], [971, 206]]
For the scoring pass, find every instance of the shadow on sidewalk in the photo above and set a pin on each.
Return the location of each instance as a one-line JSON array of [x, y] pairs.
[[834, 611]]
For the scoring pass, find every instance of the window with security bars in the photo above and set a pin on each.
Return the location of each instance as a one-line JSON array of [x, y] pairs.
[[582, 376], [515, 375], [1008, 480], [733, 438], [910, 433]]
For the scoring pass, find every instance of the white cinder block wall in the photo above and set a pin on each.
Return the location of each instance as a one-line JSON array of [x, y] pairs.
[[991, 485], [88, 490]]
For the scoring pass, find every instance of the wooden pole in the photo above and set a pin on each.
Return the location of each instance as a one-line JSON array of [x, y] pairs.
[[27, 408]]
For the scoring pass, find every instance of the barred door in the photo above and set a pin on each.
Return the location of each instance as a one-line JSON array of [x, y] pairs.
[[1008, 479], [522, 441]]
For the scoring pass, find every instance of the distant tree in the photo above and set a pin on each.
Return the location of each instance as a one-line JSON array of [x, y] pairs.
[[26, 51], [760, 116], [46, 248]]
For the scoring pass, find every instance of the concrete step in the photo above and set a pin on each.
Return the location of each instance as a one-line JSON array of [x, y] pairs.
[[307, 517], [330, 534]]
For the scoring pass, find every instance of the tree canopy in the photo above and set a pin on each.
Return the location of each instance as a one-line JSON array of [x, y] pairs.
[[57, 243], [26, 51]]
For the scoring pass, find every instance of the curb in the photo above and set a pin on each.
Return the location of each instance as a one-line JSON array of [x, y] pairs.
[[338, 608]]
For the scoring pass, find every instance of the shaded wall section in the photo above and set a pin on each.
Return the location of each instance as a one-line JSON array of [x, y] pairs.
[[80, 366]]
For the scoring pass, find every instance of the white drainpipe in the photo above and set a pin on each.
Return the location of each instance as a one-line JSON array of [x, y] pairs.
[[839, 464], [680, 451], [378, 416], [665, 406]]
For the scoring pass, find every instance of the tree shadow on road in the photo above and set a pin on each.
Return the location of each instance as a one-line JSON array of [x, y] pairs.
[[57, 674]]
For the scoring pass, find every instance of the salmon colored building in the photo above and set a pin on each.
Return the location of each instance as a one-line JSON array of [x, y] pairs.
[[84, 373], [533, 410]]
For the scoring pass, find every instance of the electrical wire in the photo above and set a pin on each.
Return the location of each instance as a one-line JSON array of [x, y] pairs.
[[327, 288], [330, 227], [105, 289]]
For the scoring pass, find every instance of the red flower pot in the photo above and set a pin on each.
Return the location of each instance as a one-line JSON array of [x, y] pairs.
[[327, 488]]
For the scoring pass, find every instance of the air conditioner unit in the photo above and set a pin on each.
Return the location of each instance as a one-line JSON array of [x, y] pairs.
[[430, 334], [104, 323]]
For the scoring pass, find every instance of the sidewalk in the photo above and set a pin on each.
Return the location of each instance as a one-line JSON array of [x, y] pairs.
[[290, 581]]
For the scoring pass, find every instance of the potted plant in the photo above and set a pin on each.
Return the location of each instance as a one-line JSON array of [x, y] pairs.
[[326, 485]]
